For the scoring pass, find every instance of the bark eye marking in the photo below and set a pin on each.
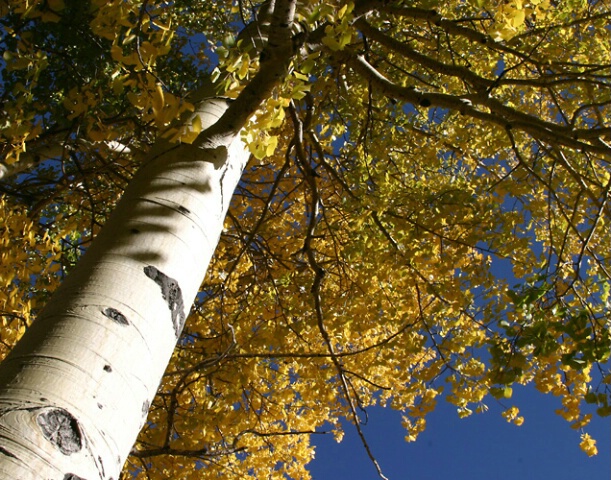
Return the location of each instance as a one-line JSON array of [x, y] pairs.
[[115, 315], [107, 368], [72, 476], [171, 293], [61, 429]]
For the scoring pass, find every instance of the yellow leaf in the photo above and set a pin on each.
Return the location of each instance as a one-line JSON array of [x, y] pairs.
[[148, 50], [243, 70], [196, 125], [49, 16], [271, 146], [518, 18], [117, 53], [191, 134], [158, 100], [117, 85], [56, 5], [588, 445]]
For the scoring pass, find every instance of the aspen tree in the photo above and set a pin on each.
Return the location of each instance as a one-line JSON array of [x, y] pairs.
[[422, 214]]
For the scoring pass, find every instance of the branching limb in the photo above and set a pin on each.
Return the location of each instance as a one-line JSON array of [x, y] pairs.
[[497, 113], [275, 61], [319, 274]]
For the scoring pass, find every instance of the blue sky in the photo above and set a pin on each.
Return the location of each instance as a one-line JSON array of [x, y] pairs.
[[480, 447]]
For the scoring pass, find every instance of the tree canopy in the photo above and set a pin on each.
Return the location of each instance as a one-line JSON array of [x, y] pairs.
[[424, 215]]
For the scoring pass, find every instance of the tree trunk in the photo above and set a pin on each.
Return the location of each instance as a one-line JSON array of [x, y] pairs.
[[76, 390]]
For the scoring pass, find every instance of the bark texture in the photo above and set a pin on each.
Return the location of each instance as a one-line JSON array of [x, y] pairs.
[[76, 390]]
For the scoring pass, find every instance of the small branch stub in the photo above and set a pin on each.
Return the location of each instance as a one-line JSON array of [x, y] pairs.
[[145, 407], [4, 451], [145, 411], [115, 315]]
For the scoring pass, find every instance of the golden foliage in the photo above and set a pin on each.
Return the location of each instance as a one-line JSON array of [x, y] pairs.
[[449, 177]]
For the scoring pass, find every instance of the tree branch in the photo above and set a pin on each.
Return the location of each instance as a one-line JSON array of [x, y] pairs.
[[274, 65], [498, 114]]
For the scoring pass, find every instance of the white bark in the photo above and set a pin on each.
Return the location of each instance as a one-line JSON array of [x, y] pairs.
[[75, 392]]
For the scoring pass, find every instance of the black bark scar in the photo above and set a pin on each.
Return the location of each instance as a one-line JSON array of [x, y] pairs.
[[61, 429], [171, 293]]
